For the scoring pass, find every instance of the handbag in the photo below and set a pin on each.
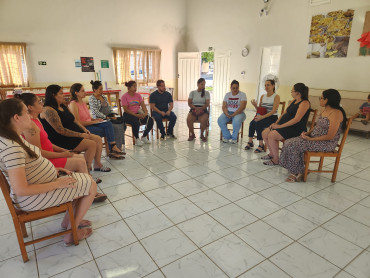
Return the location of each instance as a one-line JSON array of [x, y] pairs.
[[260, 111], [197, 112]]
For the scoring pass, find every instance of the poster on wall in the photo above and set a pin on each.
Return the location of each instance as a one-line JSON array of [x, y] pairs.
[[365, 37], [87, 64], [330, 34]]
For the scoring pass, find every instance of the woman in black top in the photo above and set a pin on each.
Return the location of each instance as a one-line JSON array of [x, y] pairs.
[[63, 131], [290, 124]]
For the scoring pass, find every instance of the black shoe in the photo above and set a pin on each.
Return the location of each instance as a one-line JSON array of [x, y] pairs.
[[162, 137], [171, 136]]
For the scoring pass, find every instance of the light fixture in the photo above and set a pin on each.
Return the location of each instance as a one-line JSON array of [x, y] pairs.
[[265, 9]]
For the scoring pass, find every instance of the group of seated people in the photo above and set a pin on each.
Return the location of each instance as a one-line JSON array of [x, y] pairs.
[[39, 144]]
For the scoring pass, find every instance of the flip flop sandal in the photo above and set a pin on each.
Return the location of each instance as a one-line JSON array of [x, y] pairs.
[[116, 152], [259, 149], [270, 163], [84, 224], [97, 180], [294, 178], [102, 169], [204, 139], [100, 197], [87, 232], [248, 146], [113, 156], [266, 157], [191, 138]]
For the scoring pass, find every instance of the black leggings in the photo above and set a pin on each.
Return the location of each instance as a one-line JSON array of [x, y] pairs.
[[260, 126], [135, 122]]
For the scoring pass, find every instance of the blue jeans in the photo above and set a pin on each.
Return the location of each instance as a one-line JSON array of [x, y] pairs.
[[104, 129], [237, 123], [158, 119]]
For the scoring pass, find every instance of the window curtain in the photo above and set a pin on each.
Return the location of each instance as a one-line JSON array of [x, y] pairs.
[[13, 67], [144, 63]]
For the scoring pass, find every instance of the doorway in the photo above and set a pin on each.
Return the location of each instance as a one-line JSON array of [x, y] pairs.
[[270, 64]]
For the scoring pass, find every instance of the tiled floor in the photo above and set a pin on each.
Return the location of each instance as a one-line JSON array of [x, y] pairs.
[[191, 209]]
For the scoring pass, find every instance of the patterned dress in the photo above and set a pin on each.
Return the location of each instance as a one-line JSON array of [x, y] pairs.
[[292, 154]]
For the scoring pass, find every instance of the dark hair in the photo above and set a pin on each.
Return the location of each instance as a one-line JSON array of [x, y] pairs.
[[234, 82], [95, 84], [27, 98], [9, 108], [272, 81], [302, 89], [159, 82], [334, 98], [130, 84], [51, 92], [75, 88], [200, 80], [368, 96]]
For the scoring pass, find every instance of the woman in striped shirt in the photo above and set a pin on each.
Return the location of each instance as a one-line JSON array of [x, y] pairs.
[[34, 181]]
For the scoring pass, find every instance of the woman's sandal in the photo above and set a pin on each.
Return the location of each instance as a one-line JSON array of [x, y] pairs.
[[103, 169], [203, 138], [113, 155], [118, 152], [266, 157], [270, 163], [294, 178], [191, 137], [249, 146], [84, 224], [99, 197], [260, 149], [97, 180], [86, 233]]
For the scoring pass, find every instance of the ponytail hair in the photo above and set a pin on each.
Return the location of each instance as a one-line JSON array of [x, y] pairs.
[[27, 98], [75, 88], [9, 108], [334, 99], [95, 85], [272, 81], [131, 83], [200, 80], [302, 89]]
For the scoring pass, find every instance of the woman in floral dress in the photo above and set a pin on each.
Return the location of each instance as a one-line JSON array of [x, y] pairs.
[[323, 137]]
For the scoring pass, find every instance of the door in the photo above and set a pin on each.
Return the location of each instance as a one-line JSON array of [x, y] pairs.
[[270, 63], [221, 76], [188, 73]]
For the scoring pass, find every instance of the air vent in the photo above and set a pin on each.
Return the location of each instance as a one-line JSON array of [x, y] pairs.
[[319, 2]]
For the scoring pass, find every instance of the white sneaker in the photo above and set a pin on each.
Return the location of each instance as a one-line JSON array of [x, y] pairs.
[[138, 142], [225, 140], [233, 141], [145, 140]]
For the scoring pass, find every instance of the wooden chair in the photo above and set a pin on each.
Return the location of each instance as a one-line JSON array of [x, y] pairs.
[[21, 217], [241, 132], [106, 145], [207, 126], [336, 153], [128, 125], [164, 120]]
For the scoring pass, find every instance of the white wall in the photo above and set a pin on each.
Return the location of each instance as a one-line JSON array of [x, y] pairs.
[[60, 31], [235, 24]]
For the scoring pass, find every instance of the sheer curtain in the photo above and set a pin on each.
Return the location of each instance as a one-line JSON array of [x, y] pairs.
[[141, 65], [13, 68]]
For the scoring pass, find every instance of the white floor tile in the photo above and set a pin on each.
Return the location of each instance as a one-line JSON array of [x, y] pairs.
[[133, 205], [203, 229], [15, 267], [181, 210], [195, 264], [232, 255], [163, 195], [87, 270], [360, 267], [258, 205], [233, 191], [264, 238], [167, 246], [189, 187], [359, 213], [212, 179], [121, 191], [265, 270], [280, 196], [298, 261], [208, 200]]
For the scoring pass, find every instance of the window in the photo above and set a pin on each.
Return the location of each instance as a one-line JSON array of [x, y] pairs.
[[13, 67], [141, 65]]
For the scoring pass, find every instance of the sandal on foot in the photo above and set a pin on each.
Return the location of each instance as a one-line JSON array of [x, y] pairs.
[[102, 169], [191, 137], [97, 180], [266, 157], [118, 152], [248, 146], [260, 149], [294, 178], [270, 163], [84, 224], [115, 156], [86, 233], [203, 138], [99, 197]]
